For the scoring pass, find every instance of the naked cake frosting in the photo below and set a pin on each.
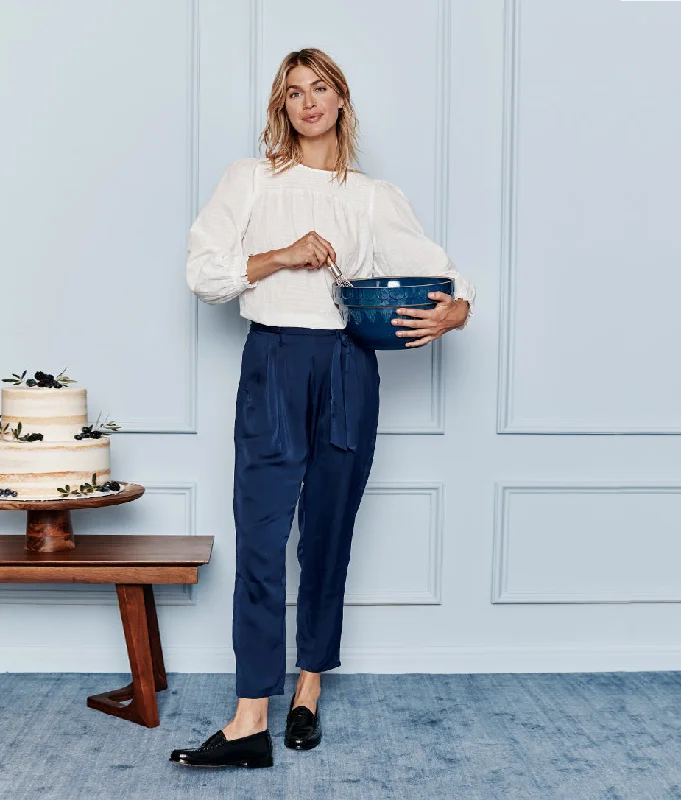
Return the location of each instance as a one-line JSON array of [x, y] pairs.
[[47, 449]]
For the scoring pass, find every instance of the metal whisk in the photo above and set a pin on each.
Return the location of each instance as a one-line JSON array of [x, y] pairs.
[[338, 276]]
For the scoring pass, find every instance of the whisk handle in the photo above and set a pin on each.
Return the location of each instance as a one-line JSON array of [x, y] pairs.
[[333, 267]]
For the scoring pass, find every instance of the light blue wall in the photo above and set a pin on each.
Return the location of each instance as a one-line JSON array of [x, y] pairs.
[[508, 524]]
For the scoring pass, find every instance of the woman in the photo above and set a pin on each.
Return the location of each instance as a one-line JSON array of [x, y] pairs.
[[307, 402]]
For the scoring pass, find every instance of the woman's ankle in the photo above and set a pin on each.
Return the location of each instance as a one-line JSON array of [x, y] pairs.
[[308, 681], [251, 711], [245, 724]]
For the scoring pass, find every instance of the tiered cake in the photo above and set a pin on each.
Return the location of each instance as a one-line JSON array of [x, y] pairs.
[[47, 449]]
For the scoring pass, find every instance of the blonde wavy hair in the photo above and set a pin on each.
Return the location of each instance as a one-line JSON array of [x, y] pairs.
[[281, 138]]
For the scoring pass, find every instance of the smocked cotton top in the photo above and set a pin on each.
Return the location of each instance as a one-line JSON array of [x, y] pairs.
[[369, 222]]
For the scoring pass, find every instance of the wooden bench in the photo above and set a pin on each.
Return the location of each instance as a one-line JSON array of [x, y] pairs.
[[133, 564]]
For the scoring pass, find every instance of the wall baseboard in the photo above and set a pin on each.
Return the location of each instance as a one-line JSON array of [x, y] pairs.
[[615, 658]]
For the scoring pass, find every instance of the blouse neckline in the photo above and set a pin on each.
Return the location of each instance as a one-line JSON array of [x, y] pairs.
[[315, 169]]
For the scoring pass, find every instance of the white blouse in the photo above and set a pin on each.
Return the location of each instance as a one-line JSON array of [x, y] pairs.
[[369, 222]]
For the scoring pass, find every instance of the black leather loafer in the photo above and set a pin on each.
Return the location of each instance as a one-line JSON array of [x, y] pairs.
[[303, 728], [218, 751]]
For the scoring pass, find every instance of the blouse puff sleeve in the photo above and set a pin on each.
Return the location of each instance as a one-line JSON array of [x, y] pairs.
[[402, 248], [216, 263]]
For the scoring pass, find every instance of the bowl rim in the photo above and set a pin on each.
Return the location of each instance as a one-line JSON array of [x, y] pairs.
[[438, 280], [400, 305]]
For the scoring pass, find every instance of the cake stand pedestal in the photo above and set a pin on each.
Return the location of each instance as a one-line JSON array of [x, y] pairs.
[[48, 525]]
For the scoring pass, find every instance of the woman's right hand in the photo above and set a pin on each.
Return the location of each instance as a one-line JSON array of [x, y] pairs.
[[308, 252]]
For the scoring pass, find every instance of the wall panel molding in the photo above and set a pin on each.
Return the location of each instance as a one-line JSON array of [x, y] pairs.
[[431, 593], [507, 420], [502, 594], [187, 422], [509, 189]]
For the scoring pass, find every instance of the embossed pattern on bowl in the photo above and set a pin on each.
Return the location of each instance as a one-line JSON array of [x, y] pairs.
[[369, 305]]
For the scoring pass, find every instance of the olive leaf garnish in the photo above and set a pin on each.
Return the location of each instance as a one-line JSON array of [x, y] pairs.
[[89, 488], [15, 379], [27, 437], [97, 430]]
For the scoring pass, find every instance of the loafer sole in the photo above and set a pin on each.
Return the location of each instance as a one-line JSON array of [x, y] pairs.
[[254, 763]]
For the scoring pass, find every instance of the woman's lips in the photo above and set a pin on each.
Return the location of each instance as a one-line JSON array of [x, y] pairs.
[[312, 118]]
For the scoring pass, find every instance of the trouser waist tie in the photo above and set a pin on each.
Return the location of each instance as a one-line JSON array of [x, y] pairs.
[[345, 389], [344, 394]]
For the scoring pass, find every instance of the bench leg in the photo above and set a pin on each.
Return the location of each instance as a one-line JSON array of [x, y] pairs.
[[140, 626], [160, 680]]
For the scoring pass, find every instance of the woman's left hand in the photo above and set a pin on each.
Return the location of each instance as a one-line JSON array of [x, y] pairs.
[[429, 324]]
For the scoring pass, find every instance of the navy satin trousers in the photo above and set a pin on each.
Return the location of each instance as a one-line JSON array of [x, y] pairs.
[[305, 433]]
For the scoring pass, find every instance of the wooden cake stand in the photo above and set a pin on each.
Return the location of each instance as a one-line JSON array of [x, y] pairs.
[[48, 524]]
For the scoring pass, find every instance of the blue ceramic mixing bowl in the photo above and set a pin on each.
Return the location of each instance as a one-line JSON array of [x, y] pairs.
[[369, 305]]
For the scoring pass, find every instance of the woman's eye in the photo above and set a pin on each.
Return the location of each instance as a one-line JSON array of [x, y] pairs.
[[294, 94]]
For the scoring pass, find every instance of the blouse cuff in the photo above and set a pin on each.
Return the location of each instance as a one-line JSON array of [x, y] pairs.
[[468, 317], [242, 270], [470, 299]]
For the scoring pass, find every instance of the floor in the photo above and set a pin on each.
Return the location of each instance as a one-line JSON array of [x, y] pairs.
[[578, 736]]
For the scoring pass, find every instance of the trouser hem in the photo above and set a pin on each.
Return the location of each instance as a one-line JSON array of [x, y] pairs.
[[259, 693], [314, 668]]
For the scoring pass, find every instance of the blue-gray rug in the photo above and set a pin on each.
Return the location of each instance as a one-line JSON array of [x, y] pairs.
[[578, 736]]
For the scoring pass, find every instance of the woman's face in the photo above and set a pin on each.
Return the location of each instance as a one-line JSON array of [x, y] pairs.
[[311, 103]]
